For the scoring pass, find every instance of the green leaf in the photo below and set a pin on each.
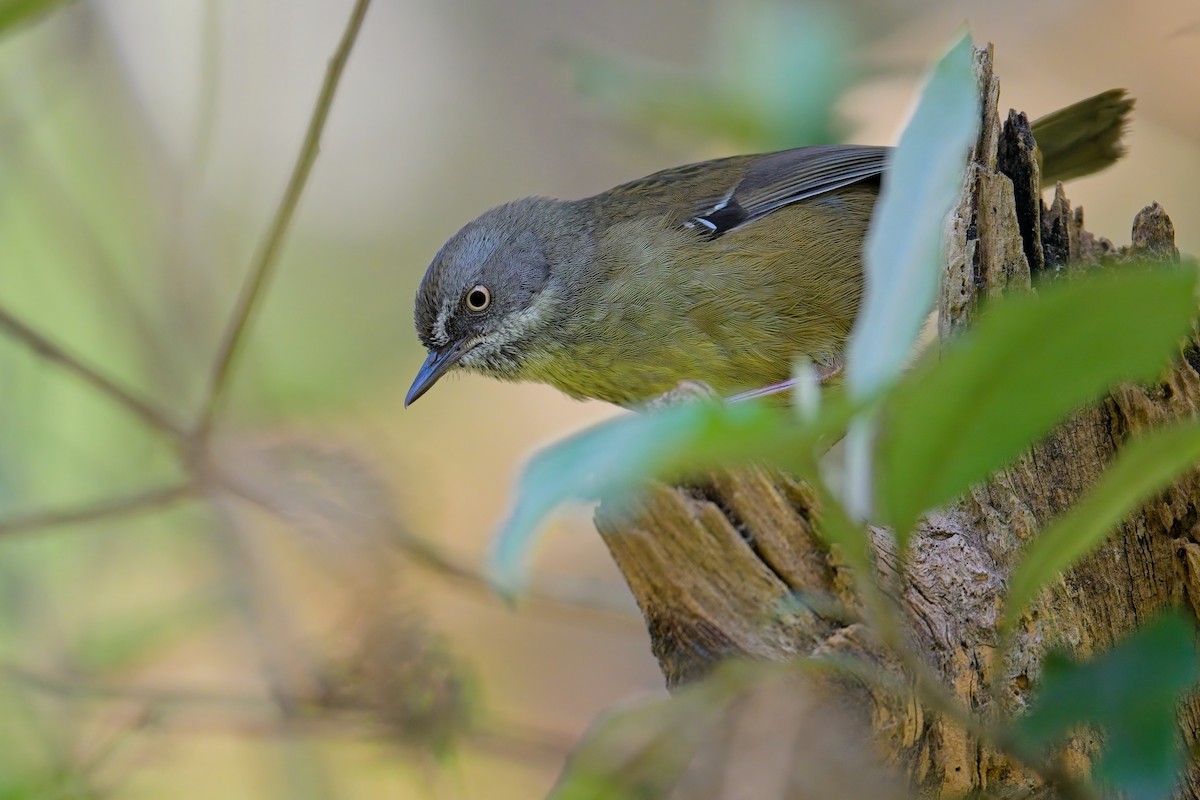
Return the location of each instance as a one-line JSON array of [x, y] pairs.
[[1029, 361], [618, 455], [687, 105], [641, 752], [923, 181], [1131, 692], [764, 46], [15, 12], [902, 266], [757, 730], [1142, 468], [753, 96]]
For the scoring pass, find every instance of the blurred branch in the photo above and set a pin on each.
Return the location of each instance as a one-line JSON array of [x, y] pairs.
[[512, 740], [264, 263], [318, 717], [569, 593], [268, 621], [51, 352], [63, 208], [57, 684], [572, 593], [106, 509], [109, 283]]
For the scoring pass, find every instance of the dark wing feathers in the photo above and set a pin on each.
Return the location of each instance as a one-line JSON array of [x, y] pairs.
[[781, 178], [778, 179], [719, 195]]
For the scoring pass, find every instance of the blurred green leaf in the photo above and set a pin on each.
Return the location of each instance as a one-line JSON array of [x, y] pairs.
[[77, 218], [781, 67], [648, 96], [787, 63], [618, 455], [303, 771], [639, 753], [315, 347], [15, 12], [1131, 692], [923, 181], [1030, 361], [758, 730], [41, 787], [1141, 469], [902, 266]]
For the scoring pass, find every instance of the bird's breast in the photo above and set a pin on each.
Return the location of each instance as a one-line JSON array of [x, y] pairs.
[[662, 304]]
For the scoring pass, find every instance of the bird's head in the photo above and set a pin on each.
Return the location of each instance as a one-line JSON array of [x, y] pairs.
[[487, 299]]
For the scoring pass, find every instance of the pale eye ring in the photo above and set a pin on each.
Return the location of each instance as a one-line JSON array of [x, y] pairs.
[[478, 299]]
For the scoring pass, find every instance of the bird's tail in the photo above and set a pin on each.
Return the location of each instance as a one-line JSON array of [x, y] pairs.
[[1082, 138]]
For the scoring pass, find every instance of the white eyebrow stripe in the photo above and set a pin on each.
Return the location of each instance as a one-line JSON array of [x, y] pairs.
[[439, 335]]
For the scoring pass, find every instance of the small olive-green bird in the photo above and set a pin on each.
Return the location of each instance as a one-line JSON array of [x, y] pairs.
[[723, 272]]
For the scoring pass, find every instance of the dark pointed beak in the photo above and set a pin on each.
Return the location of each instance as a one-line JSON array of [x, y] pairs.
[[435, 366]]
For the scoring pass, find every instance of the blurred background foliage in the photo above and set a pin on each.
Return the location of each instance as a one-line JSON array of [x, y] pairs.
[[331, 638]]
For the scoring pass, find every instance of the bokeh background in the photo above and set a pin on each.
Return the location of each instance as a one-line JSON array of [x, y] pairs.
[[331, 636]]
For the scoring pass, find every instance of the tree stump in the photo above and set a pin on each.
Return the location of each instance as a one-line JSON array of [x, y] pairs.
[[714, 563]]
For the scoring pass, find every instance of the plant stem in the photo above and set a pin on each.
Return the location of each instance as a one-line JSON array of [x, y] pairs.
[[263, 265]]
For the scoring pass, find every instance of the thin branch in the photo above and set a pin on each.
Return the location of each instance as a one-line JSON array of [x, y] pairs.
[[519, 741], [573, 593], [107, 509], [569, 594], [45, 178], [66, 684], [259, 715], [51, 352], [268, 255], [267, 619]]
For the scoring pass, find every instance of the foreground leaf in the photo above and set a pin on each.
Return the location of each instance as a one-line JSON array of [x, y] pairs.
[[1131, 692], [641, 752], [15, 12], [617, 456], [752, 98], [1141, 469], [1030, 361], [748, 730], [924, 179], [901, 259]]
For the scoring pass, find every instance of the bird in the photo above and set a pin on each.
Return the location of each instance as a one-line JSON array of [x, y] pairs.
[[722, 273]]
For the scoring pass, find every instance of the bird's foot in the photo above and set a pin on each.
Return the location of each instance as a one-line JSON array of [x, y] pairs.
[[824, 373], [683, 392]]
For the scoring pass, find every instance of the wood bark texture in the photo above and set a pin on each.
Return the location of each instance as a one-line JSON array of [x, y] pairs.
[[714, 563]]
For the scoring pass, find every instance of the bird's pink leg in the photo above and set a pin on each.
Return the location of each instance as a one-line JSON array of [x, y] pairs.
[[824, 373]]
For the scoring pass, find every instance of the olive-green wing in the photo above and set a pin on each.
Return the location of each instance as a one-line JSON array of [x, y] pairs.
[[775, 180], [1084, 137], [719, 195]]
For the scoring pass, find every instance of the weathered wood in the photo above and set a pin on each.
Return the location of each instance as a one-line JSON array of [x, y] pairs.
[[748, 544], [1017, 160], [712, 564], [962, 275]]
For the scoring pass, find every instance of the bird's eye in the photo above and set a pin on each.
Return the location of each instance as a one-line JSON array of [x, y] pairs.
[[478, 299]]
